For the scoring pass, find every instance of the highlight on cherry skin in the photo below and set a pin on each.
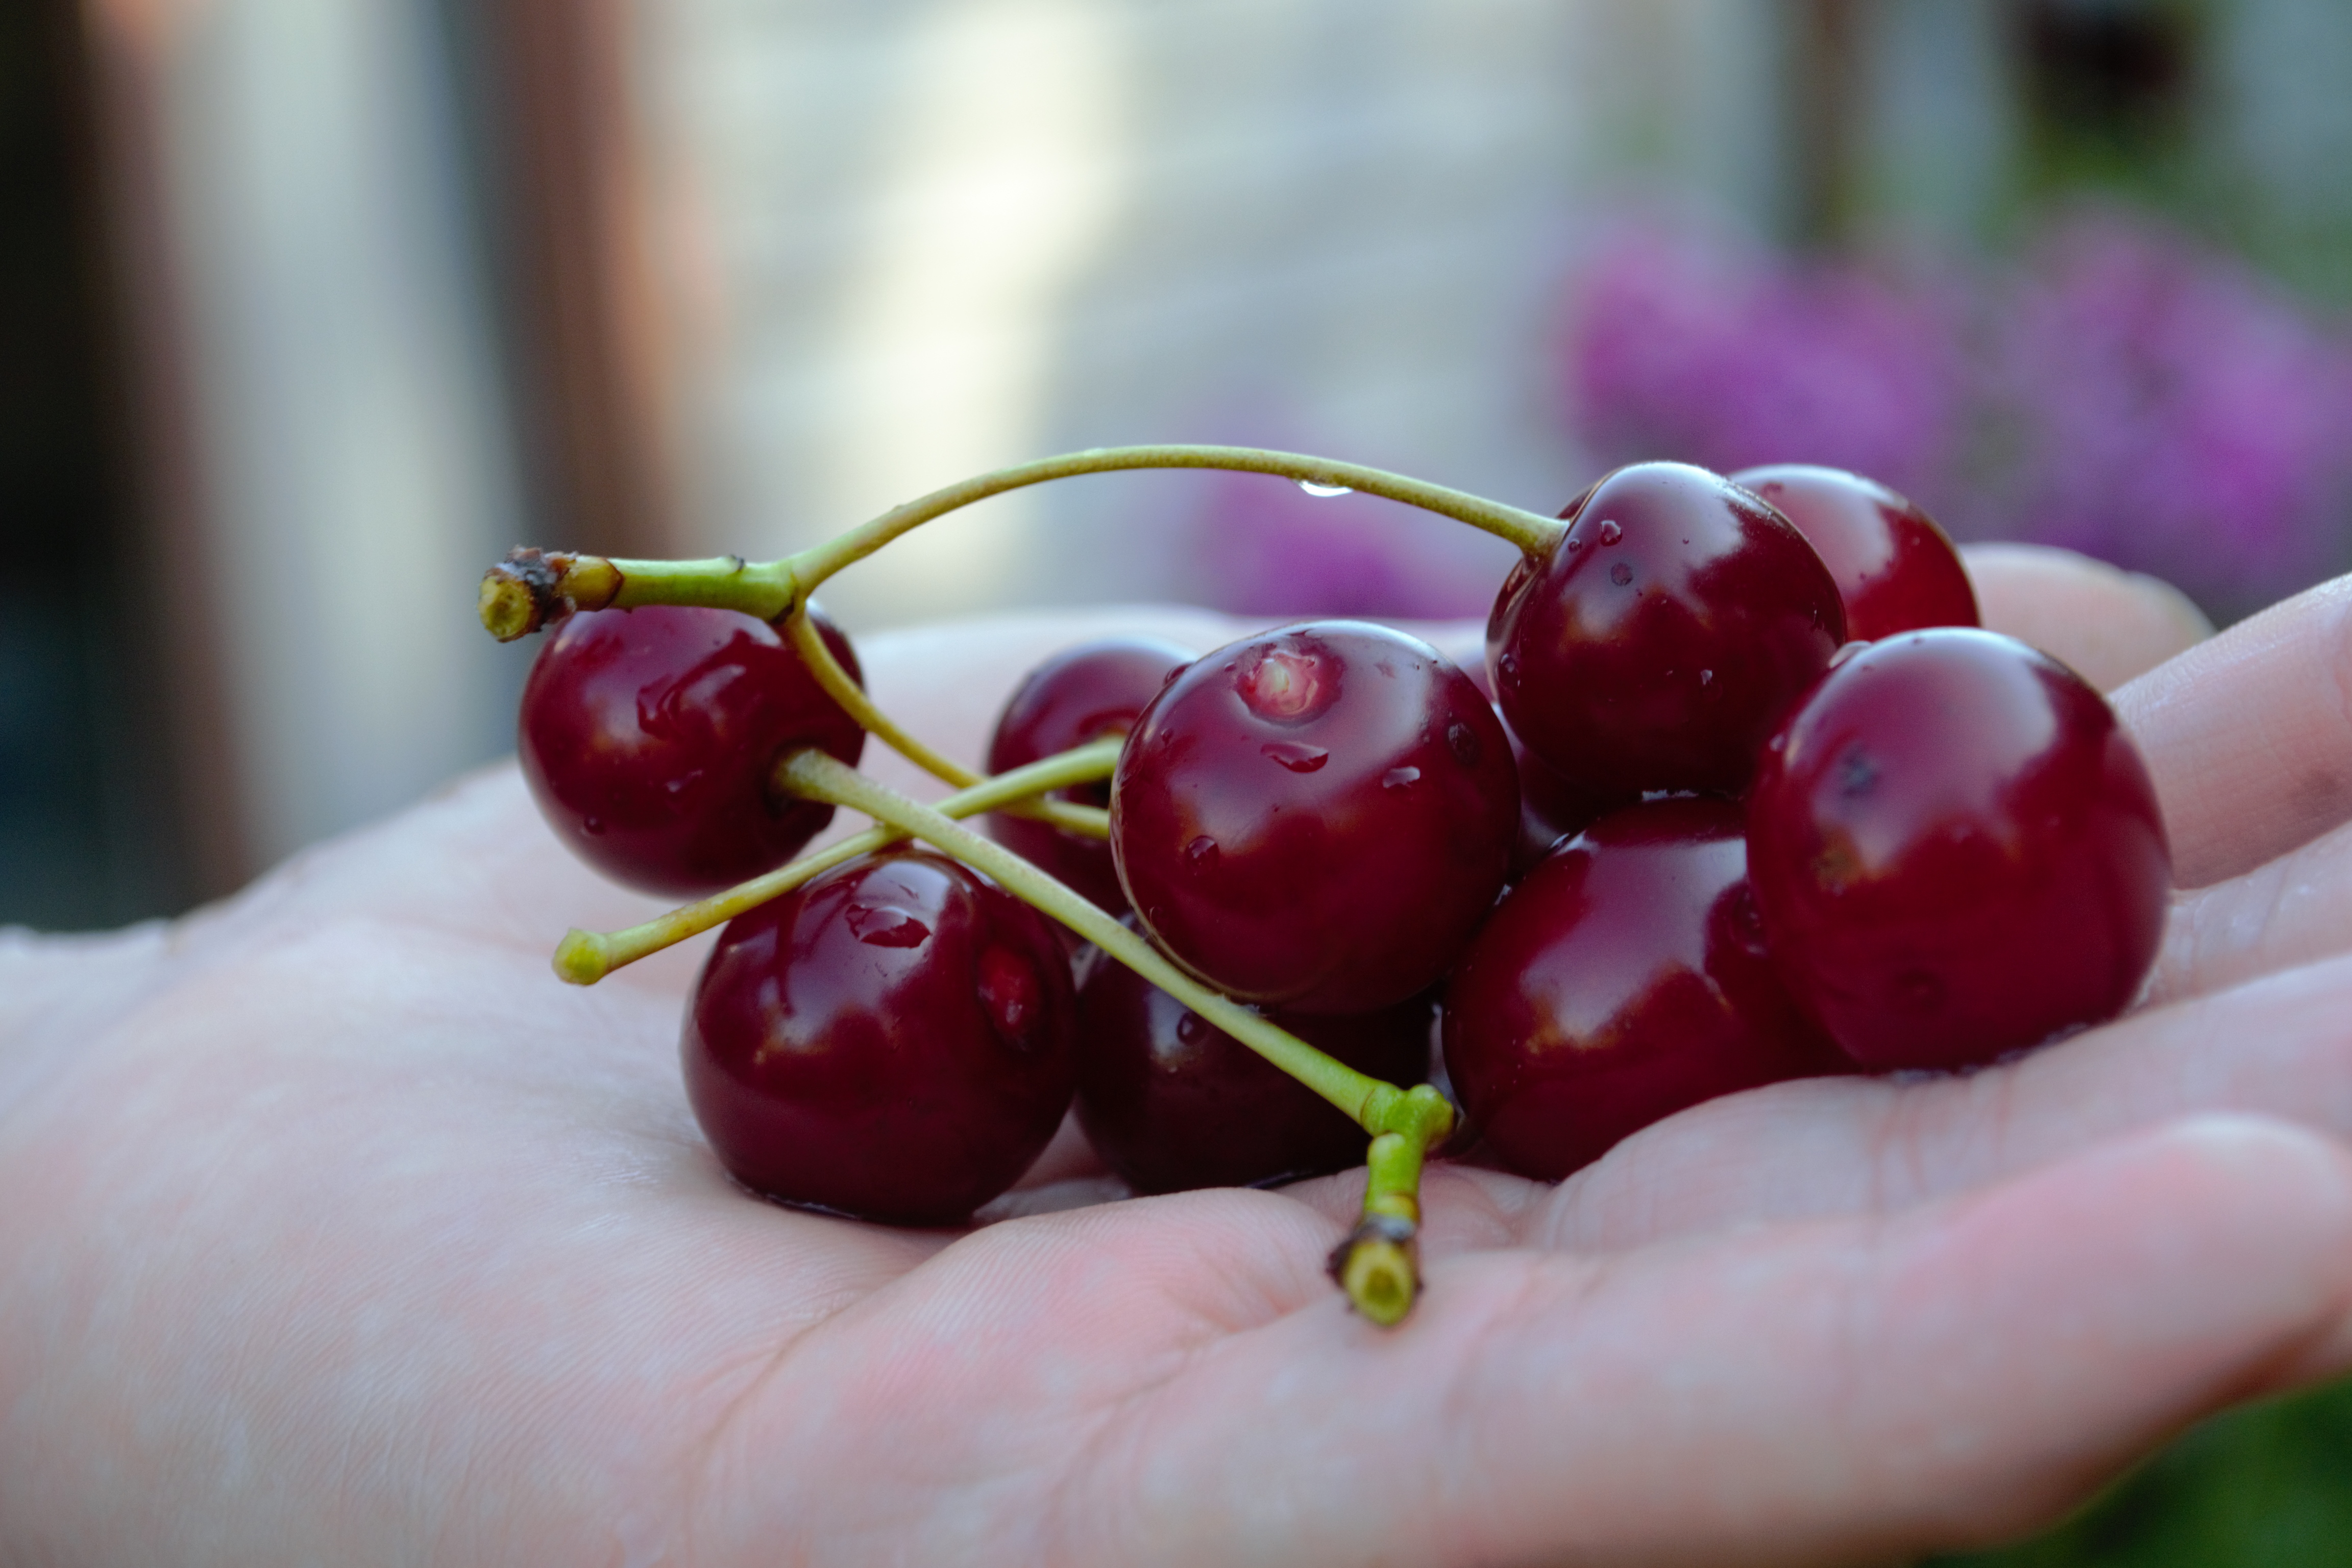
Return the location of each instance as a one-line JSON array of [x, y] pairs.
[[1662, 636], [1896, 570], [1625, 977], [1956, 851], [648, 737], [1084, 693], [1316, 818], [895, 1040]]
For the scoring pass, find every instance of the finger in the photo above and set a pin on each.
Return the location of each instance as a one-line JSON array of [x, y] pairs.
[[2105, 623], [2249, 736], [1827, 1393], [2295, 909], [2279, 1046]]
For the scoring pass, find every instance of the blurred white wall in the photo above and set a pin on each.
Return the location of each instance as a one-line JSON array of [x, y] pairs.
[[901, 241], [350, 431], [917, 240]]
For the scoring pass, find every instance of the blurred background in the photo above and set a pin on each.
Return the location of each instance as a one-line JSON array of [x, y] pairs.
[[310, 309]]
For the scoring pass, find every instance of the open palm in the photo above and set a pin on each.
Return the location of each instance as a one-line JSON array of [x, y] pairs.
[[336, 1229]]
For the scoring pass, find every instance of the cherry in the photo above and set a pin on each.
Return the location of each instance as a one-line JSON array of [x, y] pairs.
[[1624, 978], [894, 1040], [1553, 807], [1658, 641], [1956, 851], [1896, 570], [1316, 818], [1170, 1101], [647, 736], [1084, 694]]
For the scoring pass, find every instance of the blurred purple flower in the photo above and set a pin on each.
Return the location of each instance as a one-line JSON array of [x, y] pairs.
[[1277, 551], [2125, 392], [2168, 413], [1687, 347]]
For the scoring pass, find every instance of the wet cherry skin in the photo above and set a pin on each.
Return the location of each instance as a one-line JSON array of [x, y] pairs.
[[1551, 804], [1956, 851], [895, 1040], [1084, 694], [1664, 634], [1172, 1102], [648, 737], [1553, 807], [1896, 570], [1316, 818], [1623, 979]]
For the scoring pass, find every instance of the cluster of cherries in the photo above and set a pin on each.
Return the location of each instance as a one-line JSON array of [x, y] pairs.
[[1744, 795]]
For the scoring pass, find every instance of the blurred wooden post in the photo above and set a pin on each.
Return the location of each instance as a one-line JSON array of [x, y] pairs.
[[1826, 61], [565, 211], [168, 594]]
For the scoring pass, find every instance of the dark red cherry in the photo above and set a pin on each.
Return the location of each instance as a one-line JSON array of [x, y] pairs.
[[648, 735], [1956, 851], [1623, 979], [1172, 1102], [1082, 695], [1316, 818], [1895, 569], [1664, 634], [895, 1040], [1553, 807]]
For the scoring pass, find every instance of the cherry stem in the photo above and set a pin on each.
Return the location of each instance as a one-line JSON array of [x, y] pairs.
[[1377, 1264], [852, 699], [532, 587], [1532, 532], [584, 957]]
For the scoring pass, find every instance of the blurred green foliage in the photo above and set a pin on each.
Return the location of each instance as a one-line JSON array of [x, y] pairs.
[[2270, 1485]]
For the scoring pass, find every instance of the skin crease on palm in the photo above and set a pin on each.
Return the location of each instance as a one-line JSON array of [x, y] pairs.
[[337, 1230]]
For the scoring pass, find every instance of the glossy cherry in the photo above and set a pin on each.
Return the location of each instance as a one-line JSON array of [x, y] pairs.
[[1626, 978], [1316, 818], [895, 1040], [1553, 807], [1956, 851], [1085, 694], [1664, 634], [1170, 1101], [1896, 570], [648, 735]]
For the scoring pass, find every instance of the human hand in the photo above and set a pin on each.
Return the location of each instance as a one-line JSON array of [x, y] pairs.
[[336, 1229]]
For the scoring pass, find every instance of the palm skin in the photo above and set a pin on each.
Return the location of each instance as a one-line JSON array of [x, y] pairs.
[[336, 1229]]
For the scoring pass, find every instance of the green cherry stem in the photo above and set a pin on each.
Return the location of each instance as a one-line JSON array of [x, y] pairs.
[[584, 957], [532, 587], [1373, 1104], [1378, 1265], [852, 699], [1532, 532]]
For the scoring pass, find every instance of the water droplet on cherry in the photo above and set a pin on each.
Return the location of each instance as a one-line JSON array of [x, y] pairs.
[[1463, 742], [1610, 532], [1012, 994], [1621, 573], [887, 925], [1297, 758], [1202, 851], [1400, 778], [1857, 774]]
